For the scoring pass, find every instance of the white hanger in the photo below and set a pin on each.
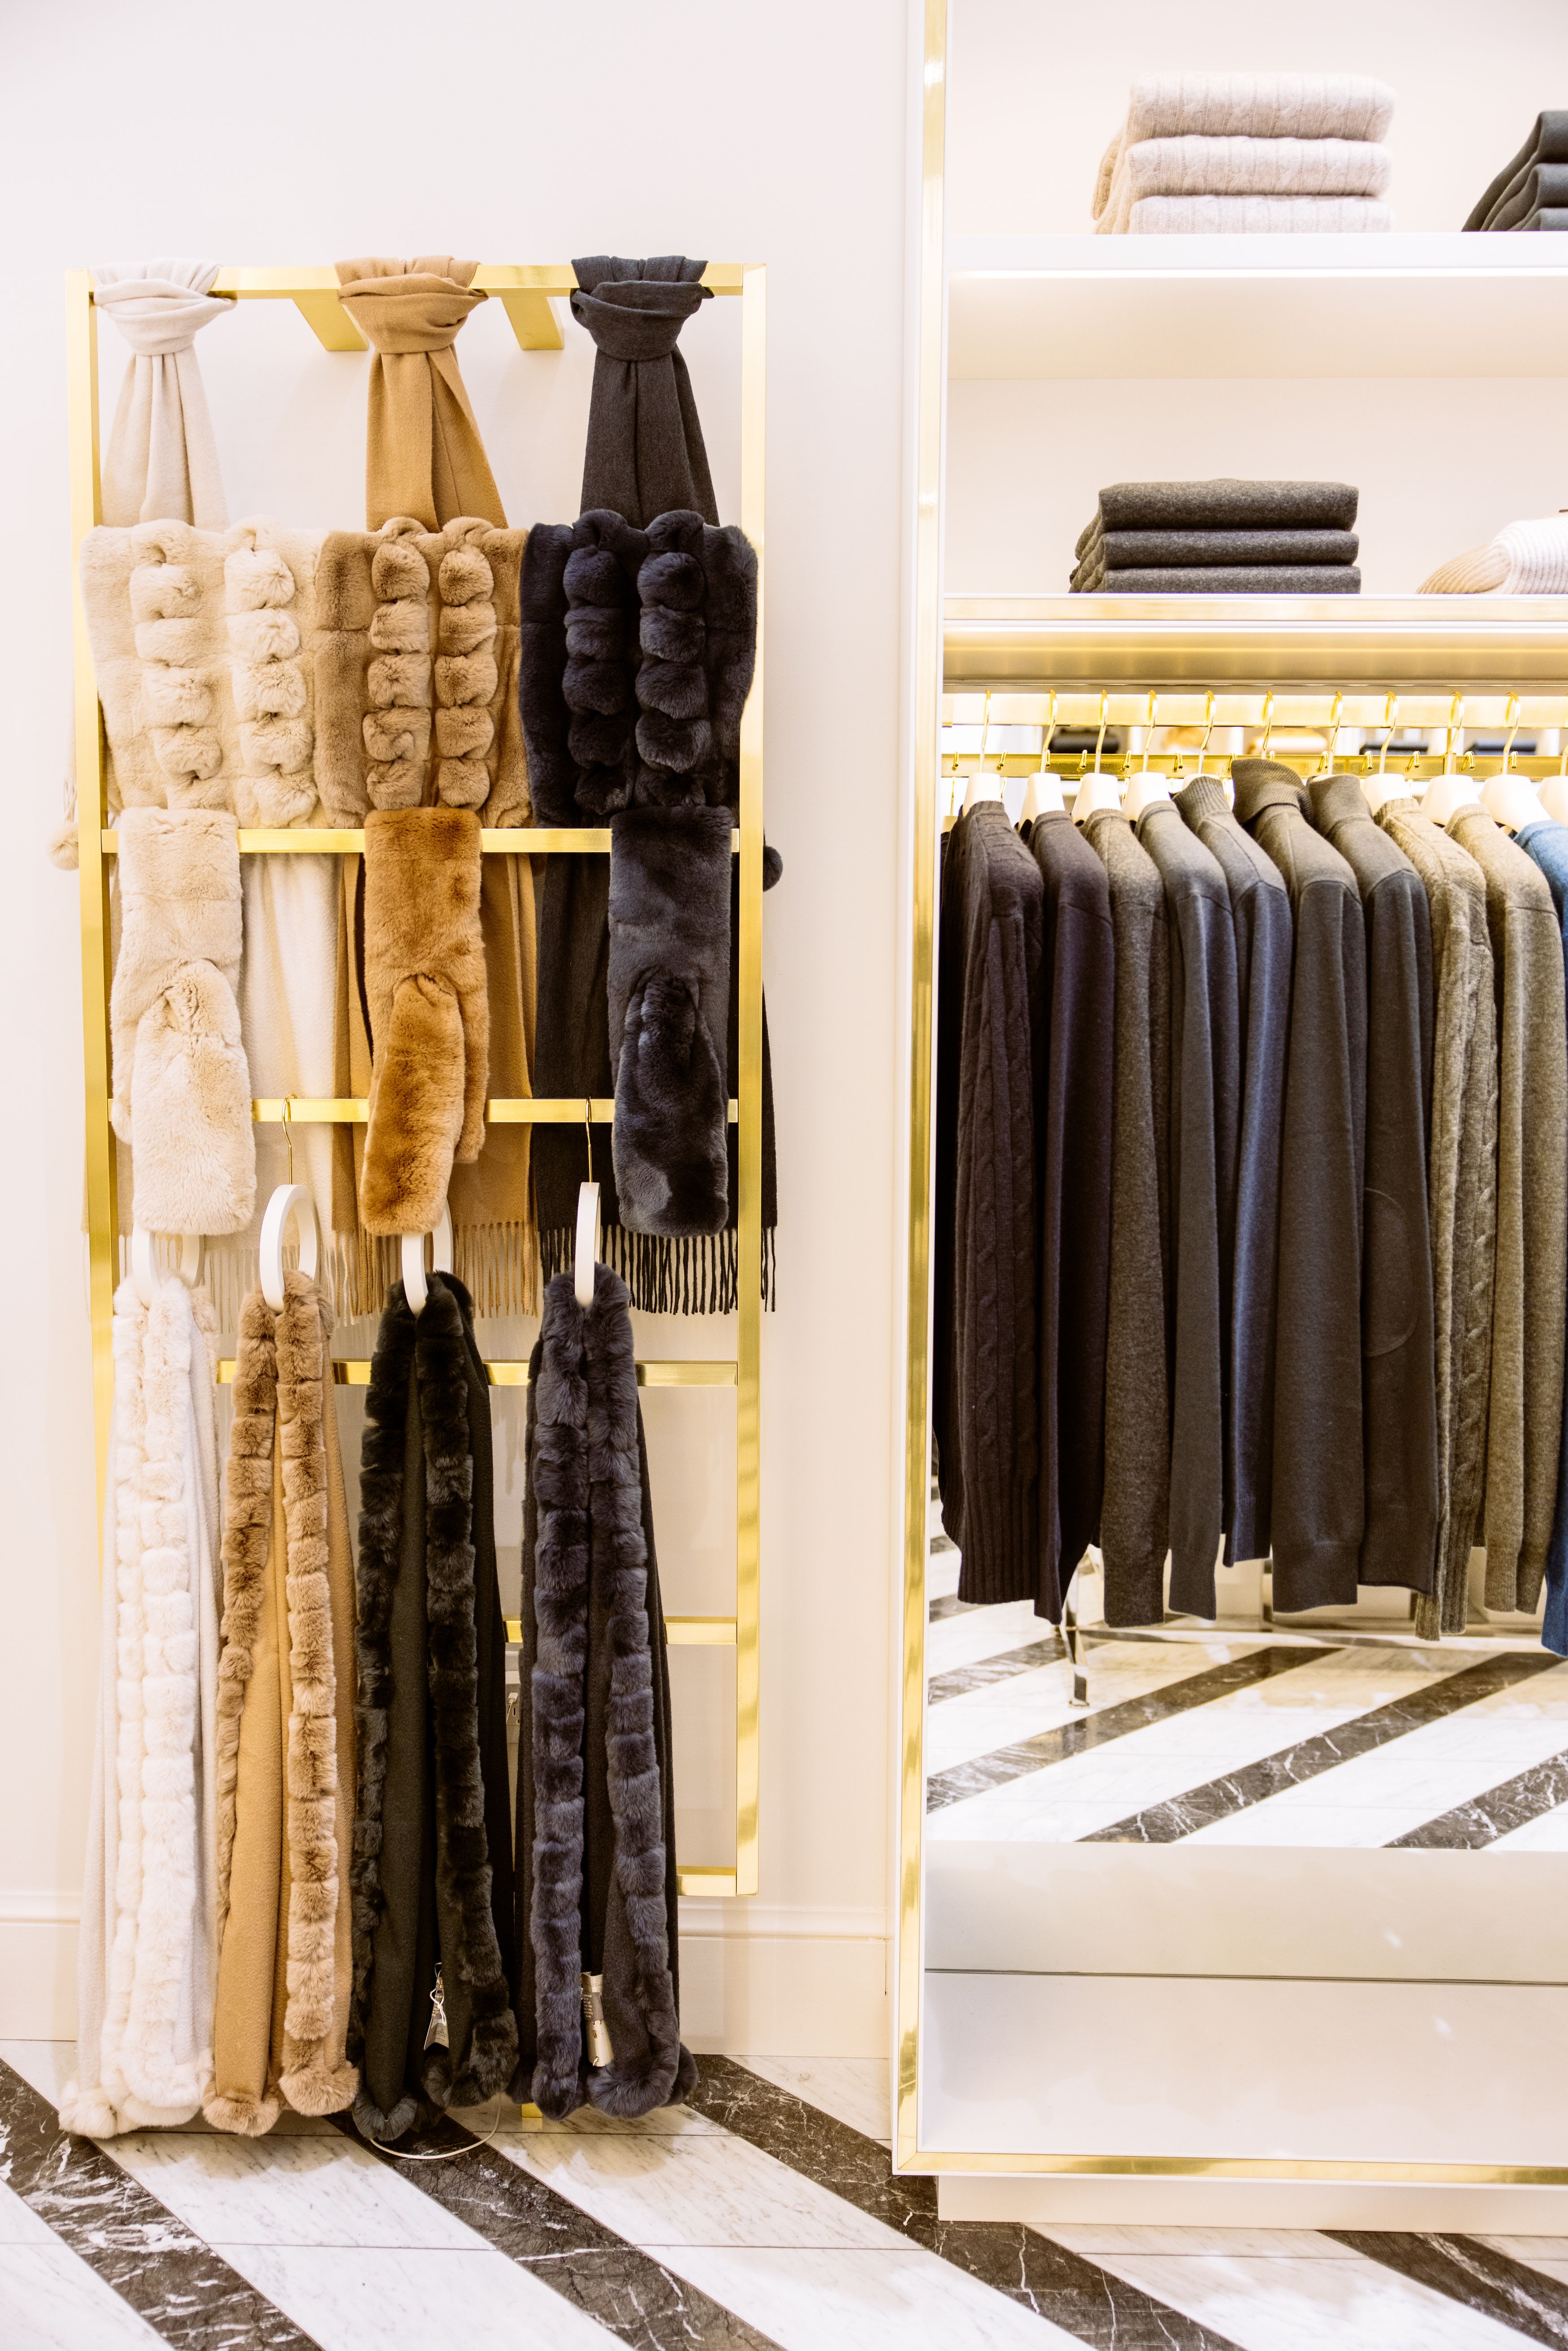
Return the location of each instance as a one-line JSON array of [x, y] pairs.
[[1512, 799], [1554, 791], [980, 787], [415, 1288], [1043, 795], [144, 1262], [1147, 789], [1097, 790], [1450, 791], [1384, 787], [290, 1204], [585, 1251]]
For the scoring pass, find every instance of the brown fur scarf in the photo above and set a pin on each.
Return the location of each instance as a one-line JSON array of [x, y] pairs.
[[280, 1396], [428, 1008]]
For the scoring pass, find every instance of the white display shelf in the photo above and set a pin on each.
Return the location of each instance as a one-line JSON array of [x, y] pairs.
[[1099, 306], [1503, 641]]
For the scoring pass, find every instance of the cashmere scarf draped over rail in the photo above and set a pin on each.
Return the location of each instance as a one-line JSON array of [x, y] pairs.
[[645, 454], [432, 1859], [147, 1949], [595, 1826], [162, 462], [424, 456], [285, 1730], [637, 653], [182, 1091], [200, 647]]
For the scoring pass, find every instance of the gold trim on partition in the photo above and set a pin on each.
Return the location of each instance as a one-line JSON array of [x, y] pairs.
[[931, 396], [748, 1220], [1241, 2167]]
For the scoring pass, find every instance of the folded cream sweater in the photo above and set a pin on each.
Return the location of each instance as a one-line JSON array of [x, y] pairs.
[[1257, 216], [1525, 558], [1315, 117], [1259, 106], [1196, 166]]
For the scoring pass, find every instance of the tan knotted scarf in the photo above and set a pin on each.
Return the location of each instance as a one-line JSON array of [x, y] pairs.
[[424, 456]]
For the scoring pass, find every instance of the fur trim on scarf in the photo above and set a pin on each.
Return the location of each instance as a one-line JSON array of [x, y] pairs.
[[428, 1009], [587, 1482], [200, 645], [412, 618], [182, 1089], [431, 1349], [280, 1383]]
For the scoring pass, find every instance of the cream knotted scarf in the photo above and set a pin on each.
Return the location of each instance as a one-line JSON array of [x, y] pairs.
[[424, 456], [162, 464]]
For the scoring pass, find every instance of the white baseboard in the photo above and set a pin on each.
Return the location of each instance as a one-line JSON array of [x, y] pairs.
[[1044, 2199]]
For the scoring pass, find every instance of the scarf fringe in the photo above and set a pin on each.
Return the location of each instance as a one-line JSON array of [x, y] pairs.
[[695, 1275], [497, 1264]]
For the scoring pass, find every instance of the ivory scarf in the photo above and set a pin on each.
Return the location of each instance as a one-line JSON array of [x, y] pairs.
[[162, 462], [148, 1946], [424, 456]]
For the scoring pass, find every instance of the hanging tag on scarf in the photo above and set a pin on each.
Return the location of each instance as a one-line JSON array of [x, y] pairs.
[[600, 2051], [437, 2033]]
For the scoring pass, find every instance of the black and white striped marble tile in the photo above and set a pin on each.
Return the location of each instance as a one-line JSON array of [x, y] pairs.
[[1213, 1799], [1085, 1732], [1497, 1812], [987, 1671], [1476, 2272]]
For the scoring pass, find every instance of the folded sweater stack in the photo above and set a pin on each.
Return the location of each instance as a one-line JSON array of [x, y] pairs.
[[1525, 558], [1248, 154], [1533, 190], [1220, 539]]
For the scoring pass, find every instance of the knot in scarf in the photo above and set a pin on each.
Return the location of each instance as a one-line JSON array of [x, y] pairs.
[[161, 306], [414, 306], [423, 453]]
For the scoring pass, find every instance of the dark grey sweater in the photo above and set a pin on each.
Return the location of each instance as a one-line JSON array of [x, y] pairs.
[[1399, 1387], [1318, 1511], [1206, 1093], [1260, 909]]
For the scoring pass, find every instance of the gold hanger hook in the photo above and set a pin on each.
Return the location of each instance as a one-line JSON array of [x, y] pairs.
[[289, 1133], [588, 1131], [1099, 738], [1511, 711], [1207, 731], [1149, 730], [984, 728], [1390, 721], [1455, 727], [1268, 723], [1046, 733], [1331, 744]]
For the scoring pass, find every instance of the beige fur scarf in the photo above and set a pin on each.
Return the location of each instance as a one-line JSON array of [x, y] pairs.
[[416, 670], [426, 996], [182, 1089], [199, 642], [282, 1395]]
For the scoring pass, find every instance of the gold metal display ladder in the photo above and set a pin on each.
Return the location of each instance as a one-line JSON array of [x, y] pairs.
[[526, 293]]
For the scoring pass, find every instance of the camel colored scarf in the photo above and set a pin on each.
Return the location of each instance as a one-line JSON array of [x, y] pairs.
[[162, 462], [424, 456]]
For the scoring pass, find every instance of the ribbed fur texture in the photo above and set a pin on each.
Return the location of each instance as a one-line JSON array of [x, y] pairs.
[[585, 1469], [279, 1397], [431, 1349]]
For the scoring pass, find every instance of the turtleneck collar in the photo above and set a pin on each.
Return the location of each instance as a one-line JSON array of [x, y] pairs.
[[1203, 797], [1262, 784], [1337, 799]]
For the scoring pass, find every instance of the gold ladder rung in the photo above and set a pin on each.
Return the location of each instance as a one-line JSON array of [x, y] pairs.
[[503, 1110], [670, 1372], [681, 1632], [508, 841], [524, 289]]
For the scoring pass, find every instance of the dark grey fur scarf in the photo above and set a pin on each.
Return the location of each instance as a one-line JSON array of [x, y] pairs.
[[595, 1811], [452, 1917]]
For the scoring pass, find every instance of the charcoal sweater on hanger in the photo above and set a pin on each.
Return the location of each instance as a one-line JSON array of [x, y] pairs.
[[1547, 845], [1260, 909], [1319, 1506], [1205, 1102], [1399, 1383], [1076, 1017]]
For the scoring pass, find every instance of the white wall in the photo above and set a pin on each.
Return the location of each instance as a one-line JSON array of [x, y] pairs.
[[1037, 91], [509, 132]]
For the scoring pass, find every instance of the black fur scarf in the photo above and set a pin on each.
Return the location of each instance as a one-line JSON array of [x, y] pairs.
[[431, 1352], [592, 1691]]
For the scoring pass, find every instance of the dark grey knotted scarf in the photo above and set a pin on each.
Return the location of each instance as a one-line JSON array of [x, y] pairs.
[[646, 455]]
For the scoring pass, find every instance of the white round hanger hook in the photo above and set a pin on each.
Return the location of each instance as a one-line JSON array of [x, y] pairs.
[[416, 1287], [143, 1264], [291, 1203], [585, 1255]]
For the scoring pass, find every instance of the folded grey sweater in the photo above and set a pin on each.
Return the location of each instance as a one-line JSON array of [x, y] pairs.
[[1222, 505], [1142, 550], [1543, 185], [1547, 143], [1226, 580]]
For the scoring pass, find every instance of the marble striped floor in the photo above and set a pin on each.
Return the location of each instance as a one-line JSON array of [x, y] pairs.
[[764, 2214], [1289, 1737]]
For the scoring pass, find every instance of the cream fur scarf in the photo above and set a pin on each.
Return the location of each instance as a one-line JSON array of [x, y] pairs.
[[202, 643], [182, 1089], [1525, 558], [147, 1950], [162, 462]]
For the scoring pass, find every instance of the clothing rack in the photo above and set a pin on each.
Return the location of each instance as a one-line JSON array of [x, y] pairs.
[[526, 291]]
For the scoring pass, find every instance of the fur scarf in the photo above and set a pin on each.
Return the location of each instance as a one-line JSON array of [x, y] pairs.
[[278, 1447], [428, 1012], [669, 995], [147, 1949], [201, 649], [595, 1843], [182, 1089], [644, 454], [416, 670], [422, 1377]]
